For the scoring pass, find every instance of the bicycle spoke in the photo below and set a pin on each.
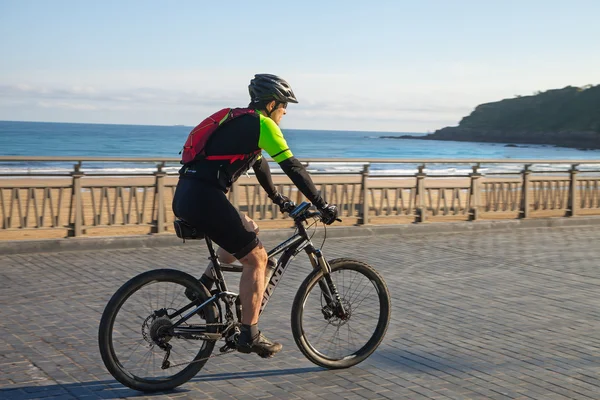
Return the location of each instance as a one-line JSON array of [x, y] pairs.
[[351, 283], [137, 321], [356, 305], [322, 333], [350, 337], [133, 351], [144, 360], [136, 336], [352, 294], [148, 298], [335, 336], [329, 344]]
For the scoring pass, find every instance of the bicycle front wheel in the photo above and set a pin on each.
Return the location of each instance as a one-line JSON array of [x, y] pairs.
[[134, 338], [329, 340]]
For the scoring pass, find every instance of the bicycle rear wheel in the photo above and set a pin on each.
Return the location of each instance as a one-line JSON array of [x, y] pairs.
[[331, 341], [132, 333]]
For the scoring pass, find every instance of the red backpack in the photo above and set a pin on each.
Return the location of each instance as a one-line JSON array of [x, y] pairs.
[[194, 146]]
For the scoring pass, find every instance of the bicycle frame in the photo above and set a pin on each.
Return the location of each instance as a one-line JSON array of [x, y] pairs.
[[290, 249], [179, 317]]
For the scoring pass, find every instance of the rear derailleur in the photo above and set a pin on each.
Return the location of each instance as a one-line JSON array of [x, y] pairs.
[[167, 348]]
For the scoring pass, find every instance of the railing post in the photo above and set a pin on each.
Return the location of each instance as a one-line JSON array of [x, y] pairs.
[[475, 193], [421, 212], [159, 192], [77, 226], [421, 205], [525, 196], [573, 191], [364, 186]]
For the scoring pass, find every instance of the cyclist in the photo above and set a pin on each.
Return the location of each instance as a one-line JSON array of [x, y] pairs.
[[200, 197]]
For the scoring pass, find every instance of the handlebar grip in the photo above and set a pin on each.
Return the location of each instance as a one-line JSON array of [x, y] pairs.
[[288, 207]]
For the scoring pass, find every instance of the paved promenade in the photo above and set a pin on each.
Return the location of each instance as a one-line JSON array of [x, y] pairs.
[[476, 315]]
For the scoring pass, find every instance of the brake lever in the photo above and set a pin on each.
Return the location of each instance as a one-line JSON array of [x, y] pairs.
[[288, 207], [337, 219]]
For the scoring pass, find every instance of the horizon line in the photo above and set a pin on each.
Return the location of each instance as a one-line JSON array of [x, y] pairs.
[[192, 126]]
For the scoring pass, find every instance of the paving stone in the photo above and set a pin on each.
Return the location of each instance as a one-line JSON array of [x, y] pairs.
[[475, 315]]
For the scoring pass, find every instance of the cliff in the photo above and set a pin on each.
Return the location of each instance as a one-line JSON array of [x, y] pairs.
[[568, 117]]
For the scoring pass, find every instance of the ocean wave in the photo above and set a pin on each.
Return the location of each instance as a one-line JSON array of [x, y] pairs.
[[383, 169], [89, 170]]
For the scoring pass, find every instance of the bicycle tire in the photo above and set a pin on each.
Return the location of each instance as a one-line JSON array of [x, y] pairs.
[[105, 332], [300, 308]]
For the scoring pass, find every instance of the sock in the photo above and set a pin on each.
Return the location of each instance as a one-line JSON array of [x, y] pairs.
[[249, 332], [207, 281]]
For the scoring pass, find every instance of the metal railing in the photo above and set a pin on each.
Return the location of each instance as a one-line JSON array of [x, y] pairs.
[[76, 199]]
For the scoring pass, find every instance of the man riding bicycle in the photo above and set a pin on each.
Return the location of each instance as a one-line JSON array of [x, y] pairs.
[[200, 198]]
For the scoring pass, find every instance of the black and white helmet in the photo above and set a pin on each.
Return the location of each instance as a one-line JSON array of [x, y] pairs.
[[267, 87]]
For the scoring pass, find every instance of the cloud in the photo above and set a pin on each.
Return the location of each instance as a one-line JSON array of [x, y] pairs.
[[66, 105], [187, 106], [154, 96], [133, 97]]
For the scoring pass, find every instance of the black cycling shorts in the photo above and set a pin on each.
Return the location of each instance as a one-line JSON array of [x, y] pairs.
[[207, 208]]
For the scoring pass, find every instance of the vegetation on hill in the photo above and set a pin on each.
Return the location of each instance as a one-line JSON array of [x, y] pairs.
[[568, 109], [568, 117]]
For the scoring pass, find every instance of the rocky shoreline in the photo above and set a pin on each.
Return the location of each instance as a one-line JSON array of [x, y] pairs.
[[579, 140]]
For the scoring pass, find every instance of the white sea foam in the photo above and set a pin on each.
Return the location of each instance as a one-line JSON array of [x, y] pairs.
[[383, 169]]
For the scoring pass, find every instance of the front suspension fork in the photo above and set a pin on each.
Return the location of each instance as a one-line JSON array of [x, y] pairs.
[[330, 292]]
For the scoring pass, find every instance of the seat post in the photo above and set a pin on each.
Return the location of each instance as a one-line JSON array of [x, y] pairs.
[[211, 250]]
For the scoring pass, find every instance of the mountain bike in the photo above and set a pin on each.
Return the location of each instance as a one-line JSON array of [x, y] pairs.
[[152, 337]]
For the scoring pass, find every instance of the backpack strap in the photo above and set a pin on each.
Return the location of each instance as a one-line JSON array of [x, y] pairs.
[[231, 157]]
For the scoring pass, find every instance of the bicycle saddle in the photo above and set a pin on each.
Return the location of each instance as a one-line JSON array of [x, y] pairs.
[[186, 231]]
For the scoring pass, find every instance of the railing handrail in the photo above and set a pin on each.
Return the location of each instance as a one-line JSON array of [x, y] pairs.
[[314, 160], [27, 204]]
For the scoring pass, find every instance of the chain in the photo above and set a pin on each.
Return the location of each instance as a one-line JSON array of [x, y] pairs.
[[205, 358]]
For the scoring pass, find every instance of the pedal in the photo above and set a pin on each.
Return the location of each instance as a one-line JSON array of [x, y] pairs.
[[231, 341], [226, 347]]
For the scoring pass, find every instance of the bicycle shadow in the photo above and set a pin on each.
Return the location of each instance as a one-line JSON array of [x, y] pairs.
[[111, 389], [255, 374], [106, 389], [409, 360]]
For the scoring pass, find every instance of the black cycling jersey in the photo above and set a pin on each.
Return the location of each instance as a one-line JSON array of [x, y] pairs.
[[249, 135]]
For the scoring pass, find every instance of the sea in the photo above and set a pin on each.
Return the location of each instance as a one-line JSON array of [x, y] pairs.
[[26, 139]]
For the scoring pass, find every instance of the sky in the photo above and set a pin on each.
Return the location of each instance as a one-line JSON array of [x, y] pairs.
[[395, 66]]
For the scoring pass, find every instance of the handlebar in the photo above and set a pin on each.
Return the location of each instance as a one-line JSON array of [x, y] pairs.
[[301, 212]]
